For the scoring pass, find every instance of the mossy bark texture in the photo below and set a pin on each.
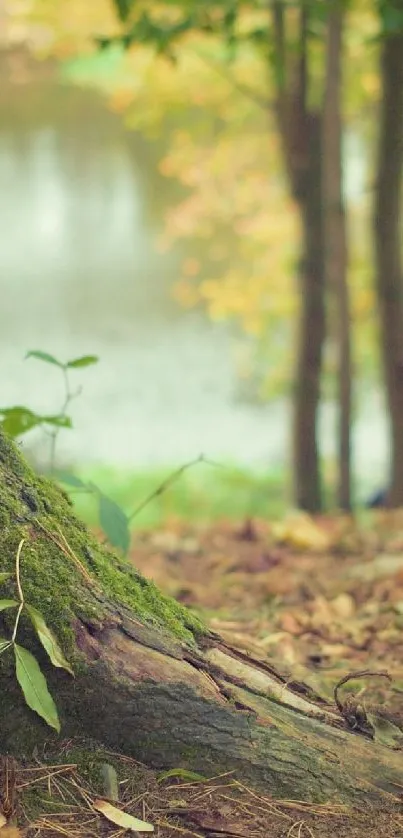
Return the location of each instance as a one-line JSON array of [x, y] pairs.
[[150, 680]]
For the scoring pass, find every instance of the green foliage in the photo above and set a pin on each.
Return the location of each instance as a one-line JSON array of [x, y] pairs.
[[7, 603], [28, 673], [202, 496], [34, 686], [123, 8], [71, 480], [114, 522], [48, 639], [84, 361], [44, 356], [18, 420], [391, 16], [164, 26]]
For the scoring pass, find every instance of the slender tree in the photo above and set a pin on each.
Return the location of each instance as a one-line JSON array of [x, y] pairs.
[[301, 132], [282, 38], [336, 237], [388, 232]]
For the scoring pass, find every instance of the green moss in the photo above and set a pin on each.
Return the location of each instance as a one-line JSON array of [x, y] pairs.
[[56, 543], [88, 757]]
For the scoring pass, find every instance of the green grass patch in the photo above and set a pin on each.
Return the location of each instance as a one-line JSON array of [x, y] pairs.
[[202, 494]]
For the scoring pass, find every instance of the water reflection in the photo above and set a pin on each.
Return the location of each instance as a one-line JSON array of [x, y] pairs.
[[79, 273], [80, 202]]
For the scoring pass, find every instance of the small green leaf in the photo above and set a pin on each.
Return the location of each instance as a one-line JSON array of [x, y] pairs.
[[94, 488], [7, 603], [85, 361], [59, 421], [123, 8], [44, 356], [18, 420], [114, 523], [70, 479], [386, 733], [48, 639], [34, 687], [187, 776], [4, 576]]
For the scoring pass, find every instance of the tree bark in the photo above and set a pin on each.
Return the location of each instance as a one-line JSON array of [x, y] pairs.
[[150, 679], [336, 240], [300, 129], [388, 243], [307, 389]]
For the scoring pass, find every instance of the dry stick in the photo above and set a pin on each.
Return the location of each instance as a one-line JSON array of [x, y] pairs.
[[361, 673], [65, 548]]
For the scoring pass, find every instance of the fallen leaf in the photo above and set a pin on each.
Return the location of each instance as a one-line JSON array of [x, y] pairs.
[[344, 606], [386, 733], [290, 624], [122, 819], [300, 530]]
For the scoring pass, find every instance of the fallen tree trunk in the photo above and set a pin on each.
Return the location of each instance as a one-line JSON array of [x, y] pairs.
[[150, 679]]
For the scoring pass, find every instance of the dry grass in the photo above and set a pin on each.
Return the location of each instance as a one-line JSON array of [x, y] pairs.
[[52, 800]]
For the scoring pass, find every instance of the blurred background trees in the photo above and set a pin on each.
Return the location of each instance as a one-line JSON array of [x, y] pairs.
[[277, 129]]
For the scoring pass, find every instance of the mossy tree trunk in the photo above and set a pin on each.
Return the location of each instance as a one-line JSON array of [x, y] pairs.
[[150, 680]]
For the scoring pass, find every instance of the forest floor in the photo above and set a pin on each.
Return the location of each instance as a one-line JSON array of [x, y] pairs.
[[320, 599]]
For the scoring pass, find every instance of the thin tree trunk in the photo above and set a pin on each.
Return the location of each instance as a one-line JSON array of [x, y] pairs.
[[301, 136], [336, 240], [388, 244], [150, 679], [307, 389]]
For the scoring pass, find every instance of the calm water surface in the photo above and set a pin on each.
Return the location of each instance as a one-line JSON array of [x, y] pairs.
[[81, 204]]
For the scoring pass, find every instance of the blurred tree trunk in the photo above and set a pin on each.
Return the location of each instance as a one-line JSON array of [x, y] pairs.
[[150, 680], [388, 246], [336, 240], [301, 133]]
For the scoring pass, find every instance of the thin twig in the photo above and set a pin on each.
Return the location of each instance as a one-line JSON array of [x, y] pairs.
[[168, 482], [352, 676], [68, 398], [19, 589], [17, 570], [64, 546]]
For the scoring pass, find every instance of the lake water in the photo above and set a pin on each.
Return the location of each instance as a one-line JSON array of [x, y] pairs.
[[81, 204]]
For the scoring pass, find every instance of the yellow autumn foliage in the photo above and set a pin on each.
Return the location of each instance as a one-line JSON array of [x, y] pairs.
[[221, 142]]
